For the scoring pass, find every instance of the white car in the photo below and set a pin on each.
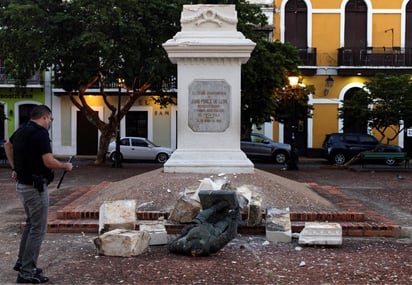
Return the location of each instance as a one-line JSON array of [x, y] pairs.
[[139, 148]]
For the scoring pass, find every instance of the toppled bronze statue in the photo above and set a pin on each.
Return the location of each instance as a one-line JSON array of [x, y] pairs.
[[212, 228]]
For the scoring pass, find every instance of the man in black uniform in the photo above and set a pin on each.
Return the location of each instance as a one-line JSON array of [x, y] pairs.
[[30, 156]]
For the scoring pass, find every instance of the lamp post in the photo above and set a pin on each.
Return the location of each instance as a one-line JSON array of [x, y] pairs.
[[117, 160], [292, 163]]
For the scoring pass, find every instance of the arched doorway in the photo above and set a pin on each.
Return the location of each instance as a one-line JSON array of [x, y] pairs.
[[352, 123]]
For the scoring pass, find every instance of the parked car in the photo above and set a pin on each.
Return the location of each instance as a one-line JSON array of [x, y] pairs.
[[258, 146], [339, 148], [139, 148]]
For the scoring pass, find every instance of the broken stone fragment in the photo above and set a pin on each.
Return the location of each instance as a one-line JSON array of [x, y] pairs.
[[120, 214], [184, 210], [321, 233], [158, 233], [278, 225], [124, 243], [255, 212]]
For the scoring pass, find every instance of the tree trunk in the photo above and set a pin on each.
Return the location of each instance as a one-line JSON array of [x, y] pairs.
[[107, 134], [245, 130]]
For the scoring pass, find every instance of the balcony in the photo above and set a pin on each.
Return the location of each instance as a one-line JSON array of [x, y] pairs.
[[374, 56], [308, 56], [371, 60], [6, 78]]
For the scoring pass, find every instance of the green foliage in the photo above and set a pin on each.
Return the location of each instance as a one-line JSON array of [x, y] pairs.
[[21, 38], [291, 104], [123, 38], [265, 71], [383, 102]]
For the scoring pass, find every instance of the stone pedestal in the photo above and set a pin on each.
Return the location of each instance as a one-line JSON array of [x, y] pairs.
[[209, 52]]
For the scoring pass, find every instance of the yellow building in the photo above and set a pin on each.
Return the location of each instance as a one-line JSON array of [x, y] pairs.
[[343, 43]]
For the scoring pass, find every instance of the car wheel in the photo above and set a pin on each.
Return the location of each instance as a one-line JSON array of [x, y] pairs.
[[162, 157], [280, 157], [339, 158], [113, 157]]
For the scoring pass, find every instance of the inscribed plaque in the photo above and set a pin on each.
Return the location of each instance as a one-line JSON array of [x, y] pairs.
[[209, 105]]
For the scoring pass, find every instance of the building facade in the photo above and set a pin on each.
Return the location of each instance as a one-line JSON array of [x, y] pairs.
[[342, 43], [71, 132]]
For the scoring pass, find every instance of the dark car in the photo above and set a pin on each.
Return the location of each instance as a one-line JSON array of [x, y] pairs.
[[339, 148], [258, 146]]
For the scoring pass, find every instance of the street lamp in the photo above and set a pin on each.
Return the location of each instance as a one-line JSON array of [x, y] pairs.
[[292, 163], [117, 157]]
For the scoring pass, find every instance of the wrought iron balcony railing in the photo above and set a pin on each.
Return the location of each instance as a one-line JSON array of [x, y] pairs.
[[6, 78], [374, 56], [308, 56]]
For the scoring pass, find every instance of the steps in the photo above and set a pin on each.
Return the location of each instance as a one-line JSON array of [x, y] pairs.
[[357, 221]]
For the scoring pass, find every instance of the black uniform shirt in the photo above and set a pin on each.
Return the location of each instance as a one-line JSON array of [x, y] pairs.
[[30, 143]]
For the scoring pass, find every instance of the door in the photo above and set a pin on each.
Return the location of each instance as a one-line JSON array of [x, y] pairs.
[[24, 113], [87, 136], [136, 124], [142, 150], [301, 136], [2, 119], [356, 28], [296, 20]]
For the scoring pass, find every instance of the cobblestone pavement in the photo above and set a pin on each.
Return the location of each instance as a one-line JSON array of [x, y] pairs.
[[72, 259]]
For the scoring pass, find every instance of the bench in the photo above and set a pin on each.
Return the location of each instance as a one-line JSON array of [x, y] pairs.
[[384, 156]]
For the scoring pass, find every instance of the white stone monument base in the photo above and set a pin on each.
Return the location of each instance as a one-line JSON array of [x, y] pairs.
[[205, 161]]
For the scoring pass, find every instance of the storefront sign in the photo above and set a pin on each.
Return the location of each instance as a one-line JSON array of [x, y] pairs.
[[16, 96]]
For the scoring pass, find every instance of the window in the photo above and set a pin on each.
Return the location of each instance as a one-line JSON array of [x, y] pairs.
[[124, 142], [140, 143]]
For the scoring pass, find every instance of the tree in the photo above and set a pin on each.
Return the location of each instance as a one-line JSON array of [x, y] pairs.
[[88, 43], [263, 80], [384, 102]]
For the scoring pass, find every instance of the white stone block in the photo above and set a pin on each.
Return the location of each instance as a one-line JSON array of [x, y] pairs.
[[278, 236], [123, 243], [321, 233], [278, 225], [158, 233], [120, 214]]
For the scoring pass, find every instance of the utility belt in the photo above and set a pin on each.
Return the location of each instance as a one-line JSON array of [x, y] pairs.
[[38, 181]]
